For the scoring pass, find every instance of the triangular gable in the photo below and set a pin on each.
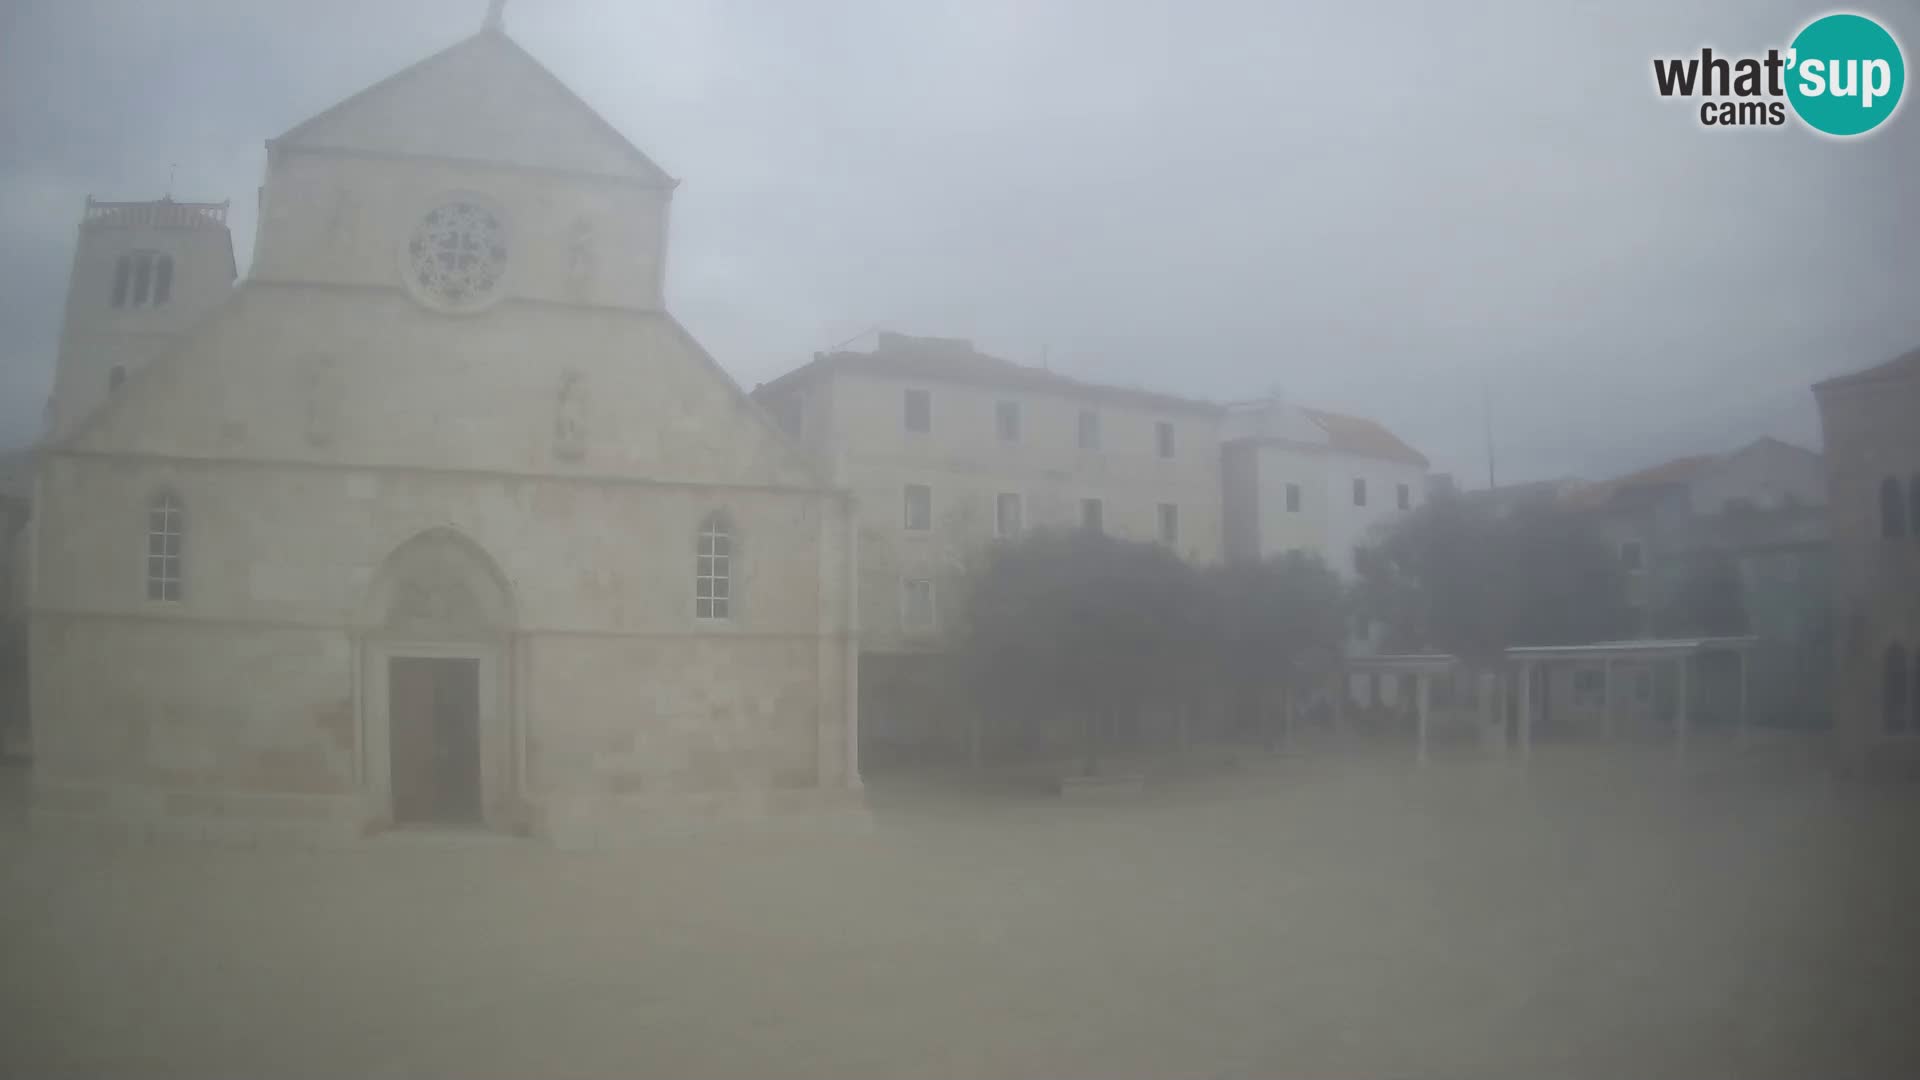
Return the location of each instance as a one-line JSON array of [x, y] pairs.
[[482, 99]]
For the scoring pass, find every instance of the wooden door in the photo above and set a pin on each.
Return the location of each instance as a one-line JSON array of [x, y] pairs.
[[434, 726]]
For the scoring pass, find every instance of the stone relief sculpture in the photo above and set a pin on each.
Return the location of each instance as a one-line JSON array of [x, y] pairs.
[[321, 391], [580, 258], [570, 417]]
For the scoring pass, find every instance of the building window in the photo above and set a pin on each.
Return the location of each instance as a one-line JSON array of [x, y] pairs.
[[122, 277], [162, 280], [1089, 430], [146, 275], [1093, 515], [1643, 687], [919, 508], [1006, 418], [1405, 497], [1293, 498], [1893, 510], [1632, 556], [713, 568], [916, 603], [919, 410], [115, 376], [1163, 438], [1006, 515], [1359, 491], [1169, 524], [1894, 701], [166, 526]]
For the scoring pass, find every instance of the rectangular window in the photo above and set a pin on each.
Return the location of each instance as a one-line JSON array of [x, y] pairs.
[[1089, 430], [919, 507], [1093, 515], [1163, 438], [1406, 497], [1169, 524], [713, 570], [1359, 491], [1632, 555], [1006, 418], [1006, 515], [919, 406], [122, 272], [142, 274], [916, 603], [1589, 688], [1293, 498], [163, 280]]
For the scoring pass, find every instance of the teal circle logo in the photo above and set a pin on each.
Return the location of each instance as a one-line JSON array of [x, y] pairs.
[[1845, 74]]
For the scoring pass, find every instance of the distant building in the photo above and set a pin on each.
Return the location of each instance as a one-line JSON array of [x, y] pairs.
[[948, 449], [1306, 479], [1732, 543], [1871, 423], [1653, 519]]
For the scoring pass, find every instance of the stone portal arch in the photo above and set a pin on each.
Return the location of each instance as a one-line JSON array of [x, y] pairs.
[[441, 736]]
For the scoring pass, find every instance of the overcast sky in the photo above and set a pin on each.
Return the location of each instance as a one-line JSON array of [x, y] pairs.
[[1376, 208]]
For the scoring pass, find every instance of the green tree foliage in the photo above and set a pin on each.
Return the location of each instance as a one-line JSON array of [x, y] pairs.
[[1086, 625], [1458, 577], [1273, 626]]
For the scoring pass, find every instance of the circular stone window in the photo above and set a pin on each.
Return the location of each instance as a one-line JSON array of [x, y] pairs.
[[456, 256]]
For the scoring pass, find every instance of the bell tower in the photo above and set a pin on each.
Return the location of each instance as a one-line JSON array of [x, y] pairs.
[[143, 272]]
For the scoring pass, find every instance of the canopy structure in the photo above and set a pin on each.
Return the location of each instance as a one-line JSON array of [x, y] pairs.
[[1639, 650], [1523, 659], [1422, 666]]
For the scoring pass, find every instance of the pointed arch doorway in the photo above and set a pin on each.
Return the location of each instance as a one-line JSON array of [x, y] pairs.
[[440, 738]]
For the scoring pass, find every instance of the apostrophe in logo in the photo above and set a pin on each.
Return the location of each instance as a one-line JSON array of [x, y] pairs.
[[1842, 75], [1846, 74]]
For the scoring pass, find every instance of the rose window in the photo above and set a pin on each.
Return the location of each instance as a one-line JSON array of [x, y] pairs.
[[456, 256]]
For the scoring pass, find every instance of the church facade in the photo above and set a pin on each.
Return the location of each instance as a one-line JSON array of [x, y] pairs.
[[437, 517]]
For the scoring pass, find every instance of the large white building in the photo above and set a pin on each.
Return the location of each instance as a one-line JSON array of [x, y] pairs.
[[947, 450], [436, 518]]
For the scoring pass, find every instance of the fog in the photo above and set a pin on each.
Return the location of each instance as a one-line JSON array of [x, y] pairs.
[[1391, 210], [994, 538], [1344, 919]]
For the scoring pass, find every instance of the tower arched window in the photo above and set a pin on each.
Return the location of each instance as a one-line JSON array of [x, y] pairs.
[[1895, 704], [143, 279], [713, 568], [122, 277], [1893, 509], [166, 533]]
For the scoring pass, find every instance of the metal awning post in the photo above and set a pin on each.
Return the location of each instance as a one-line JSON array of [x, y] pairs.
[[1744, 730], [1606, 698], [1526, 711], [1682, 718], [1421, 690]]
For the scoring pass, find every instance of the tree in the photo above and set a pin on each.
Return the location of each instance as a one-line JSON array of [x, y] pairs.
[[1269, 624], [1458, 577], [1085, 623]]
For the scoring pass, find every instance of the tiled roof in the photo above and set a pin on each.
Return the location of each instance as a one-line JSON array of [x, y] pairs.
[[956, 360], [1366, 438]]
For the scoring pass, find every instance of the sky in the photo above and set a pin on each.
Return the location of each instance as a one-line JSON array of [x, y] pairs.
[[1428, 217]]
